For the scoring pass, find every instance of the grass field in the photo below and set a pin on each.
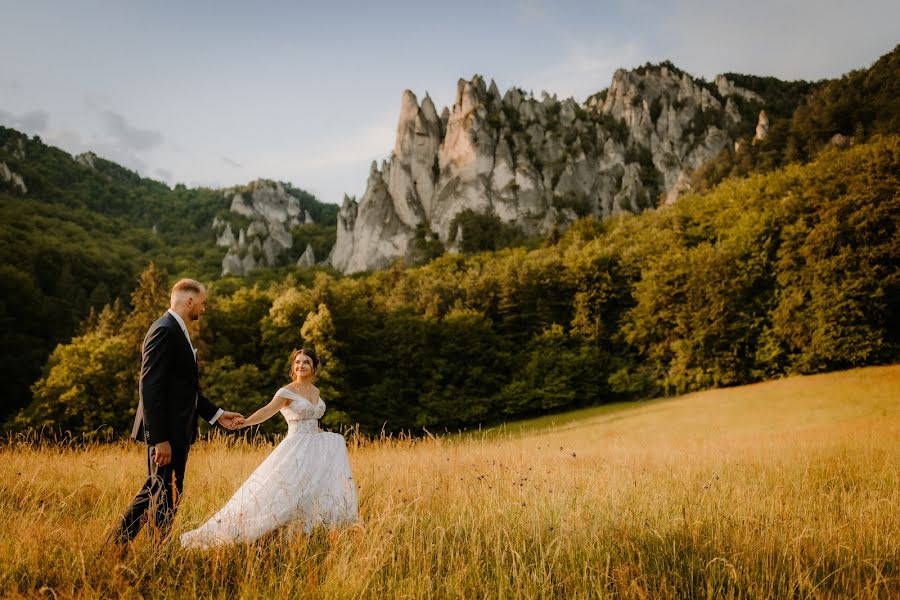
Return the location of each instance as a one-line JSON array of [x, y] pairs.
[[786, 489]]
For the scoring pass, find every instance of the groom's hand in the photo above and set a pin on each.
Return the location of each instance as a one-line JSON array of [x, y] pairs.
[[227, 419], [163, 453]]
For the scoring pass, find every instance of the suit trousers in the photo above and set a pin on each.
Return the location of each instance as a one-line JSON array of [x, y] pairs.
[[156, 502]]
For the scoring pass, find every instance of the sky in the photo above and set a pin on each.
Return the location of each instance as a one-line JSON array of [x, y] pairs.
[[220, 93]]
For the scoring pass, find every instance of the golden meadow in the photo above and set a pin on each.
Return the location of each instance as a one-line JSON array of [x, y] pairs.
[[785, 489]]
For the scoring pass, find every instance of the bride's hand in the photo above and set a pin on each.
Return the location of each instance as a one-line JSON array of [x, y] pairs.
[[229, 419], [239, 423]]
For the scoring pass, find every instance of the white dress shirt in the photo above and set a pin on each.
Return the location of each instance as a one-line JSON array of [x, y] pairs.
[[187, 335]]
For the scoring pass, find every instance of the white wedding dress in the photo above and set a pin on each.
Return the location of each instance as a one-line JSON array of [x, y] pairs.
[[305, 481]]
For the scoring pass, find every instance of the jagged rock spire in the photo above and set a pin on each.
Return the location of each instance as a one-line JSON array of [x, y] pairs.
[[535, 163]]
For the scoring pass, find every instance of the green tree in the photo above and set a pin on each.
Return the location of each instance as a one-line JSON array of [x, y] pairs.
[[838, 283], [89, 385], [465, 370], [25, 327], [234, 324], [149, 301], [558, 372], [479, 232], [318, 331], [238, 388]]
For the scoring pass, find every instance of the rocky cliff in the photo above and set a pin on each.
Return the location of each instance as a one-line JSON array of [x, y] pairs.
[[271, 212], [13, 178], [537, 162]]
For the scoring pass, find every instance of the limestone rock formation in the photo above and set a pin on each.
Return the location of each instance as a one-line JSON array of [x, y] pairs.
[[7, 174], [536, 163], [272, 212], [728, 88], [17, 149], [226, 238], [762, 127], [308, 258], [87, 159]]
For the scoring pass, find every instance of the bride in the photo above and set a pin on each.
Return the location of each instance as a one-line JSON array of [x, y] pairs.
[[306, 480]]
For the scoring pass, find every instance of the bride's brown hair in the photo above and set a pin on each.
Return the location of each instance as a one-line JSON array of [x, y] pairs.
[[306, 352]]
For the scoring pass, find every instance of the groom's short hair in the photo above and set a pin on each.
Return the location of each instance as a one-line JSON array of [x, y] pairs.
[[184, 288]]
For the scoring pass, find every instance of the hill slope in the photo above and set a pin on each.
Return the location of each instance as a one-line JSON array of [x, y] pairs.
[[789, 272], [808, 118], [520, 166], [771, 408], [74, 235]]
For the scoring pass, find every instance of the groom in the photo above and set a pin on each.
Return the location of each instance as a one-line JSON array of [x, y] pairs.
[[166, 419]]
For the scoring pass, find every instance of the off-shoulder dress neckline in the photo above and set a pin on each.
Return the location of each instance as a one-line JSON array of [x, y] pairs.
[[300, 396]]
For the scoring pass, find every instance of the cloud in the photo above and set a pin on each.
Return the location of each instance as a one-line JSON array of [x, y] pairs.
[[34, 121], [73, 142], [127, 136], [67, 139], [103, 131], [232, 163], [164, 174]]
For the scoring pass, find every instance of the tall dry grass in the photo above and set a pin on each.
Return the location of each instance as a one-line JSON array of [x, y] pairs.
[[787, 489]]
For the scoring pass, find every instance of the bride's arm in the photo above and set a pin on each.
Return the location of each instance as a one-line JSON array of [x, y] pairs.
[[265, 412]]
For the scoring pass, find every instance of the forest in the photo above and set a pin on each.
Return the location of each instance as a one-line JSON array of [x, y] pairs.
[[783, 260], [793, 271]]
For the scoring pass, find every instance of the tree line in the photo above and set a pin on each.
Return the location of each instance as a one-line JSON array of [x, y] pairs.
[[793, 271]]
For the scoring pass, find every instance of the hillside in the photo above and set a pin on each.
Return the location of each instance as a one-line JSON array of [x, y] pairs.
[[74, 235], [517, 166], [781, 489], [789, 272], [808, 118], [534, 164], [799, 404]]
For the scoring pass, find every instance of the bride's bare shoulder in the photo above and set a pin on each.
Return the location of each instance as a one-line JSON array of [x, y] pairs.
[[286, 388]]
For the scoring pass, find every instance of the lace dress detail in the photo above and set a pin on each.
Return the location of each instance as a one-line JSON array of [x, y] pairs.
[[306, 481], [301, 415]]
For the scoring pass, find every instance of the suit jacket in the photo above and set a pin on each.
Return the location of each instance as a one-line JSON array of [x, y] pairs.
[[170, 397]]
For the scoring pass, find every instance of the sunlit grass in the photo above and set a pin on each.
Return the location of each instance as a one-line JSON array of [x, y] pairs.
[[783, 489]]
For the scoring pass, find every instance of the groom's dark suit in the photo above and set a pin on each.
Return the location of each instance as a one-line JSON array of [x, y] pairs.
[[170, 401]]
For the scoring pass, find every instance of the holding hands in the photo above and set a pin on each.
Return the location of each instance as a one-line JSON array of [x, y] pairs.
[[229, 420]]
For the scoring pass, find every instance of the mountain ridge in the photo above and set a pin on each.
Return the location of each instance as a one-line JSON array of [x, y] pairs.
[[538, 164]]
